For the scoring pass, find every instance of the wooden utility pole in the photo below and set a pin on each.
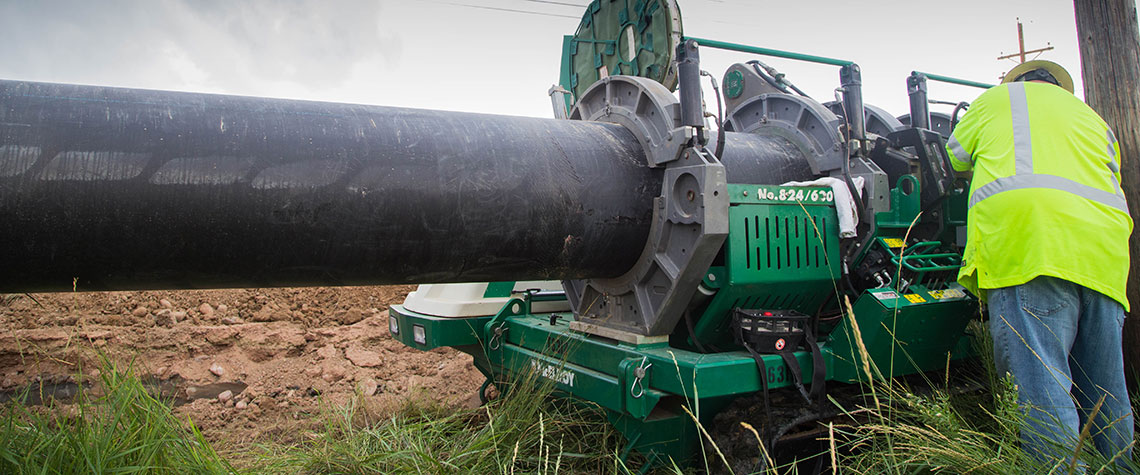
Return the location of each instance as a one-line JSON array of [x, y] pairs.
[[1110, 66], [1021, 46]]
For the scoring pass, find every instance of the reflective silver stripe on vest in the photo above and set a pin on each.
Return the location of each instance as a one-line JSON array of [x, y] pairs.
[[1112, 152], [1053, 182], [1024, 178], [1022, 141], [1112, 157], [958, 151]]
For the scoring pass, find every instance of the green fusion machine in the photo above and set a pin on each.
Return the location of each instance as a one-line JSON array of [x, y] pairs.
[[747, 285]]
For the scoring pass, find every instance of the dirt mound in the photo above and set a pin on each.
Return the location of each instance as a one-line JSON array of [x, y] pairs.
[[245, 365]]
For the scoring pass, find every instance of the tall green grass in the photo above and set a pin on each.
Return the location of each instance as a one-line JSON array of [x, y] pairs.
[[523, 431], [943, 430], [125, 430]]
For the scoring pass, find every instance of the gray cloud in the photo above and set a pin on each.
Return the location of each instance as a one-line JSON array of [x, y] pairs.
[[192, 42]]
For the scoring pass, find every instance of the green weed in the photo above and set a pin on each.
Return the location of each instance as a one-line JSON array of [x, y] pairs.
[[523, 431], [945, 431], [125, 430]]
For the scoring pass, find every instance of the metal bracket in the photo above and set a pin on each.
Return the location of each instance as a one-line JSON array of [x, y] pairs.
[[494, 331], [638, 398], [690, 217]]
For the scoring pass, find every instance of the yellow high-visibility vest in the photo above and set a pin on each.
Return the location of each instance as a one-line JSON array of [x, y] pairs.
[[1045, 198]]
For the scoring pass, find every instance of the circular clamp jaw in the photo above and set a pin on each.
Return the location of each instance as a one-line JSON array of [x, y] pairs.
[[643, 106], [803, 121], [690, 217]]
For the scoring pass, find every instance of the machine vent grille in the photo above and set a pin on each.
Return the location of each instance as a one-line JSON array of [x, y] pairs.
[[778, 242], [770, 301]]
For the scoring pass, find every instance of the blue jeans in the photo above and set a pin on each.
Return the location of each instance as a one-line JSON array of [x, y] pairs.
[[1062, 344]]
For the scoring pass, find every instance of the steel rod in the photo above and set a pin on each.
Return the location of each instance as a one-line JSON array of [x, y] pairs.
[[948, 79], [769, 52]]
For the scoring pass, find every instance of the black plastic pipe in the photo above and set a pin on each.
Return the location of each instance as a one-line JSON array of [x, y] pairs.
[[114, 189]]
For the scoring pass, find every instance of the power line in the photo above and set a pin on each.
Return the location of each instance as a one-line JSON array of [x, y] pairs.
[[511, 10], [549, 2]]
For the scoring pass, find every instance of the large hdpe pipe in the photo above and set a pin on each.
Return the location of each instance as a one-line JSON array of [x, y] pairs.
[[113, 189]]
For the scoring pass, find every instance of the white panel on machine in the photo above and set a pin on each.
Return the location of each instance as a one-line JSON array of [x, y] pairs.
[[469, 300]]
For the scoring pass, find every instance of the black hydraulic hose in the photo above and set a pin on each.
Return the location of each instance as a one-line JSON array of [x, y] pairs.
[[861, 208], [779, 83], [794, 88], [692, 333], [954, 117], [719, 115], [860, 205], [756, 66], [815, 318]]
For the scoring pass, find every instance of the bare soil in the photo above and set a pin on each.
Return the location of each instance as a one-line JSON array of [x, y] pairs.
[[282, 354]]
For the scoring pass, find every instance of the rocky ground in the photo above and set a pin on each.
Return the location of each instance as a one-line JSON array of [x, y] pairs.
[[247, 366]]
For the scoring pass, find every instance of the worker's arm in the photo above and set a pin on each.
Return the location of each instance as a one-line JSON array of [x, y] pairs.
[[963, 141], [961, 144]]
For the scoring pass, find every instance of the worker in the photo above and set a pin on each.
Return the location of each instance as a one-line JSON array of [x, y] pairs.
[[1047, 250]]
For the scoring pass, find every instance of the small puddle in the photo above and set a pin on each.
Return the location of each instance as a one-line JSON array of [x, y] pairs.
[[174, 390], [36, 394], [209, 391]]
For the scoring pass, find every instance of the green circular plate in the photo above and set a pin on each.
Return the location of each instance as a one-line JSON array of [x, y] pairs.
[[625, 37], [733, 84]]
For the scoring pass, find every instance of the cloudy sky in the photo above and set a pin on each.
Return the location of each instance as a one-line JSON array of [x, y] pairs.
[[495, 56]]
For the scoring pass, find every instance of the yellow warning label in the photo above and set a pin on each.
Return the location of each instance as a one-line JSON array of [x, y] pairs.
[[947, 294], [914, 298], [894, 242]]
